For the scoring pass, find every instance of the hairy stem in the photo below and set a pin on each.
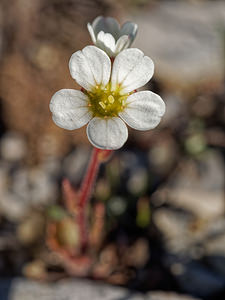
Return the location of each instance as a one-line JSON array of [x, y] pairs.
[[86, 189]]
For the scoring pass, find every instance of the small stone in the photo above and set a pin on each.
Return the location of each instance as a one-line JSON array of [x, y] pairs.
[[13, 207], [34, 186], [13, 147], [31, 229], [163, 154], [117, 205], [175, 228], [43, 189], [35, 269], [199, 186], [137, 182], [75, 163]]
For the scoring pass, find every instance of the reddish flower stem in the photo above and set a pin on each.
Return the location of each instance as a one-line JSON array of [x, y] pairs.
[[85, 191], [89, 179], [97, 157]]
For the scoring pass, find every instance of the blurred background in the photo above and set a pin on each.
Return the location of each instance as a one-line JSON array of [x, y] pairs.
[[163, 227]]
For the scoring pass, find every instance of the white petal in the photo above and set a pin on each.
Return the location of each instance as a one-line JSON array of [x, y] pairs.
[[91, 31], [131, 70], [90, 67], [122, 43], [110, 133], [143, 111], [69, 109], [108, 25], [106, 42], [130, 29]]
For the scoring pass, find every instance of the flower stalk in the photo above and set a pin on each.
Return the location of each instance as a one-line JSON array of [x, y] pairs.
[[97, 157], [89, 178]]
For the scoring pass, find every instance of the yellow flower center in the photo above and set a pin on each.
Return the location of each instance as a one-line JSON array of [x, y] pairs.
[[106, 103]]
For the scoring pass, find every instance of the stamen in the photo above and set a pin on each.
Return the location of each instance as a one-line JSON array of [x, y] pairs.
[[122, 99], [102, 105], [111, 99]]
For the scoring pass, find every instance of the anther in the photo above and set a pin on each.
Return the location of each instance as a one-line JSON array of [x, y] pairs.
[[123, 99], [102, 105], [111, 99]]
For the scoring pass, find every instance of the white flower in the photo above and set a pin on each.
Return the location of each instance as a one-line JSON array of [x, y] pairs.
[[107, 35], [108, 99]]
